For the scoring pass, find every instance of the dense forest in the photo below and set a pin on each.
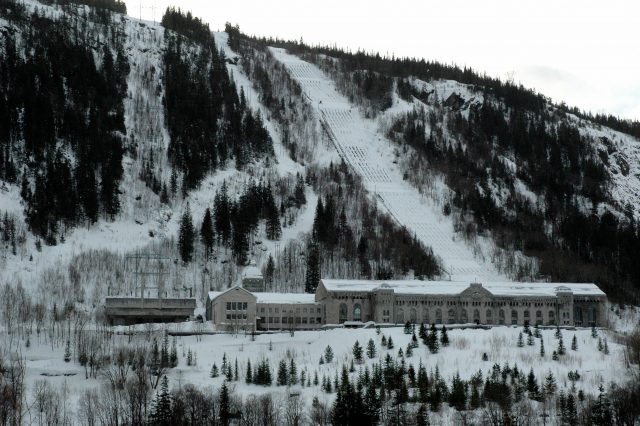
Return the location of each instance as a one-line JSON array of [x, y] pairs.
[[209, 123], [61, 120], [572, 238]]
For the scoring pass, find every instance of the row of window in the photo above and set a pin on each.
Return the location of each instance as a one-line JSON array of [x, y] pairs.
[[235, 317], [236, 306], [295, 320], [304, 310]]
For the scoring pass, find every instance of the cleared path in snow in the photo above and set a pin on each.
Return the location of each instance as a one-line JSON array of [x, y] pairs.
[[371, 156]]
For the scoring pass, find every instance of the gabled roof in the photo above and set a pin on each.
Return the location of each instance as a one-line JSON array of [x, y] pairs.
[[449, 288], [213, 295]]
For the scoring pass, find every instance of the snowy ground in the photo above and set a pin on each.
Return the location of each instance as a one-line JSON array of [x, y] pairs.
[[371, 156], [464, 355]]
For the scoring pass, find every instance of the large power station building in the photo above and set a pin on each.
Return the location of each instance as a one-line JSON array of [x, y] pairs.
[[399, 301]]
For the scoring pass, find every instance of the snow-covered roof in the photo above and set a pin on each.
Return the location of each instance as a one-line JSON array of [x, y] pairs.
[[251, 272], [285, 297], [272, 297], [456, 287]]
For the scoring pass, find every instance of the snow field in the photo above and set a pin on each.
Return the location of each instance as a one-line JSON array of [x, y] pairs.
[[463, 355]]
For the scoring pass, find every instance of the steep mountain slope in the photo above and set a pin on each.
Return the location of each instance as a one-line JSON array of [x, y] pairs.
[[370, 155], [194, 134], [552, 183]]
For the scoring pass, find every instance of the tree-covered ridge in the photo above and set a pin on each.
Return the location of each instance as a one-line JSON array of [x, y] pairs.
[[111, 5], [513, 95], [208, 122], [497, 151], [186, 25], [62, 120]]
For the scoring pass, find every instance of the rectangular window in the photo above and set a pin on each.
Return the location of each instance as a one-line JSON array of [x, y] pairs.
[[228, 316], [228, 306], [262, 310], [304, 310], [270, 320], [297, 320], [318, 310], [304, 320], [277, 310], [312, 320], [233, 306], [244, 306], [270, 309], [276, 320]]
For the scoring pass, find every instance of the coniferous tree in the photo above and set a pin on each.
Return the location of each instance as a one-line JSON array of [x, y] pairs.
[[248, 374], [186, 236], [283, 374], [206, 233], [520, 341], [224, 410], [444, 338], [293, 372], [214, 371], [161, 410], [390, 343], [541, 347], [561, 349], [574, 343], [357, 352], [371, 349], [312, 277], [328, 354]]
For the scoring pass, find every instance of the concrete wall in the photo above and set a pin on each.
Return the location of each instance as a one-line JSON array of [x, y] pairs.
[[234, 310], [287, 316]]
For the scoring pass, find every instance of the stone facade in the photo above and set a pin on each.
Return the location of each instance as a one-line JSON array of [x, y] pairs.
[[396, 302]]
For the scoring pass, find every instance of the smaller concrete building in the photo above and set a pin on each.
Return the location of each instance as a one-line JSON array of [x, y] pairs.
[[238, 309], [149, 304], [253, 280]]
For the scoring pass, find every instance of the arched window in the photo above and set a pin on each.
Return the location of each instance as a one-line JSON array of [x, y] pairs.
[[577, 315], [343, 313], [514, 316], [452, 316], [476, 314], [538, 317], [438, 316], [489, 317], [357, 312], [464, 317], [425, 315], [552, 318], [593, 316], [413, 316], [400, 316], [501, 316]]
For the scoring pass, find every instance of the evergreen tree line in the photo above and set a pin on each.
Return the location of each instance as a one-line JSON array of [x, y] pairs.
[[61, 122], [208, 122], [400, 69], [348, 229], [280, 94], [556, 162], [233, 223]]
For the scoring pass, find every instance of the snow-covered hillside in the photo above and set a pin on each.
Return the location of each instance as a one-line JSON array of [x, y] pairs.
[[371, 156]]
